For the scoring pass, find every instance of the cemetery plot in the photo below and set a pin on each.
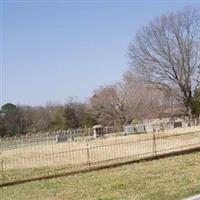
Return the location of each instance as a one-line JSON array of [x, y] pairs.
[[69, 155]]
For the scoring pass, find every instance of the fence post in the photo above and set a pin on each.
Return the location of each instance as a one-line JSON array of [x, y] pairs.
[[1, 141], [47, 138], [0, 159], [154, 144], [2, 170], [88, 155], [22, 141]]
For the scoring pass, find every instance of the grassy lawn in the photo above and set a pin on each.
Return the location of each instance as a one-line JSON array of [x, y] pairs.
[[171, 178]]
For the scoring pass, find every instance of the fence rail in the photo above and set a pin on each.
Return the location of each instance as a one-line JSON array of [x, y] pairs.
[[27, 157]]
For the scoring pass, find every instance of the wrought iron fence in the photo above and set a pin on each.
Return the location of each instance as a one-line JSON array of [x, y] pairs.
[[33, 156]]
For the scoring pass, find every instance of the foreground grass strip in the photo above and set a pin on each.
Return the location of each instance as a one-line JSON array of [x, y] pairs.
[[170, 178]]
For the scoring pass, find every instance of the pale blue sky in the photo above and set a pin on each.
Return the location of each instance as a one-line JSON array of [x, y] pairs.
[[52, 51]]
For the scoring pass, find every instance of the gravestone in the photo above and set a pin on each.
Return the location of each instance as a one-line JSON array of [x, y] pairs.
[[61, 137], [177, 124]]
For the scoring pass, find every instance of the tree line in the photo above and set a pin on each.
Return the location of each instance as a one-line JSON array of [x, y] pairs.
[[163, 80]]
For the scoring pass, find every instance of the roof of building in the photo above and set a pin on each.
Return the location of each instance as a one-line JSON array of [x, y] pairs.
[[97, 126]]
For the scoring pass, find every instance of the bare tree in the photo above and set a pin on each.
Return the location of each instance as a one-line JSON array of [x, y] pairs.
[[166, 53], [130, 99], [109, 106], [40, 117], [83, 113], [145, 100]]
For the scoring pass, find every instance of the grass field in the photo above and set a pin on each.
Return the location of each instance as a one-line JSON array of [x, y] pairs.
[[165, 179]]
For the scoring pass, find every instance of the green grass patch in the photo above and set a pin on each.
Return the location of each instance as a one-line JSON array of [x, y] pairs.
[[21, 174], [170, 178]]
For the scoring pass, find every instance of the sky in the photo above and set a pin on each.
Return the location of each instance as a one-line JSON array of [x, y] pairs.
[[54, 50]]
